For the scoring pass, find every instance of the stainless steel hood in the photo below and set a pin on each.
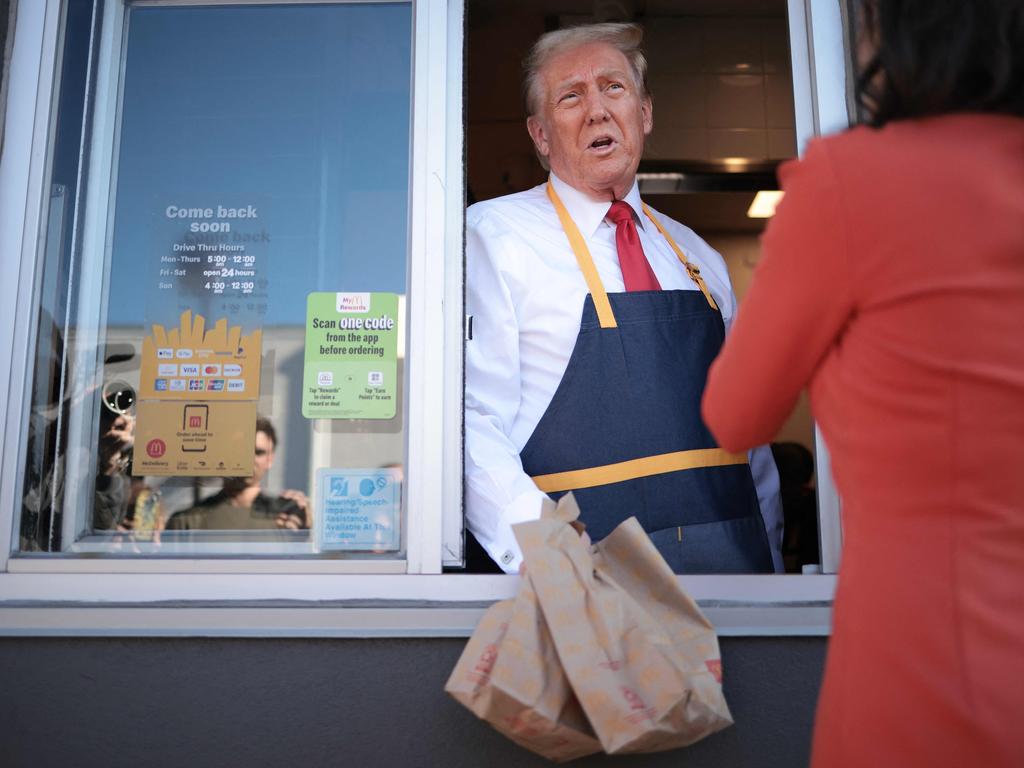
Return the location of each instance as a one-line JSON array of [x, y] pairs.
[[674, 177]]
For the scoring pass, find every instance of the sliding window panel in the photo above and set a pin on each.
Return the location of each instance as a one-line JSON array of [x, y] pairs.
[[221, 360]]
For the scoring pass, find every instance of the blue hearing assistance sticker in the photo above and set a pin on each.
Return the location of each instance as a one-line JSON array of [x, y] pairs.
[[359, 509]]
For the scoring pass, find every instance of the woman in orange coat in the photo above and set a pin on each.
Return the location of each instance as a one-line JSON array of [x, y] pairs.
[[892, 285]]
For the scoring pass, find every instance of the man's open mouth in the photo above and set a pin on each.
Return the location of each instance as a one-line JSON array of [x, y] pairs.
[[601, 143]]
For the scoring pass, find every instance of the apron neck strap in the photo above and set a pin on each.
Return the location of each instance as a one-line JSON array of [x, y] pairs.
[[691, 269], [586, 262]]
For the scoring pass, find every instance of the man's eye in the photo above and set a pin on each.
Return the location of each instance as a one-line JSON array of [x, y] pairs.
[[615, 87], [567, 96]]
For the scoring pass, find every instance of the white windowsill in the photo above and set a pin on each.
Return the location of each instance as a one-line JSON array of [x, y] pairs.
[[303, 605]]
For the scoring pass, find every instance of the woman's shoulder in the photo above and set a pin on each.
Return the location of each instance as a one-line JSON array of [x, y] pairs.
[[925, 139], [858, 147]]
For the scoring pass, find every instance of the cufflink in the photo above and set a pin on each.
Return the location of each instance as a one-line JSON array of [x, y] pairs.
[[507, 557]]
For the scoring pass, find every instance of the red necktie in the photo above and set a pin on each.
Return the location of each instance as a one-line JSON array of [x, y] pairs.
[[636, 271]]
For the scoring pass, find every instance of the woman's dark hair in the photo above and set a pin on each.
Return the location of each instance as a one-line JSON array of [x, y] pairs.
[[931, 57]]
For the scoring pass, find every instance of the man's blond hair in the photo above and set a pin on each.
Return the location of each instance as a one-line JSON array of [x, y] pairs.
[[623, 37]]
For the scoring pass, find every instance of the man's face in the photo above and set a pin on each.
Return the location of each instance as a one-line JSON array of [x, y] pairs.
[[592, 120], [263, 459]]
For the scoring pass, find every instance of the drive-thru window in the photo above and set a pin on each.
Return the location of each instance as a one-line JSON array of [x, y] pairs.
[[233, 238]]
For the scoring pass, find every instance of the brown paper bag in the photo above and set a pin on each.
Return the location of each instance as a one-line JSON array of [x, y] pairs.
[[509, 675], [641, 658]]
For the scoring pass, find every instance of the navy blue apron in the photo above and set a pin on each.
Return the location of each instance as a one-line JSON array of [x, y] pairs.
[[624, 432]]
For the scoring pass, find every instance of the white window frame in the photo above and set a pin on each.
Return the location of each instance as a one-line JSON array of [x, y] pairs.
[[819, 65], [85, 596]]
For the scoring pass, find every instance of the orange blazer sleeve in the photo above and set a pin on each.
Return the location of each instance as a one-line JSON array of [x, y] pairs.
[[798, 303]]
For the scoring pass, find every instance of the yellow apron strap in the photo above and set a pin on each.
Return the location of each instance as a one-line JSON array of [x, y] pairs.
[[586, 262], [635, 468], [691, 269]]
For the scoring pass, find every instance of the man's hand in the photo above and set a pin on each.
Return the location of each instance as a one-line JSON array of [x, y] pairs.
[[297, 515]]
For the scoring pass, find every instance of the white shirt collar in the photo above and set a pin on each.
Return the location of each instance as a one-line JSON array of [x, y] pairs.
[[588, 214]]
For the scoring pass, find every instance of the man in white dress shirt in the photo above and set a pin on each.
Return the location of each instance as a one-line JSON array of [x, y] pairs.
[[578, 380]]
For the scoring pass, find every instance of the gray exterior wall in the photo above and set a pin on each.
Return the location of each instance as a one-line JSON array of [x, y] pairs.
[[249, 702]]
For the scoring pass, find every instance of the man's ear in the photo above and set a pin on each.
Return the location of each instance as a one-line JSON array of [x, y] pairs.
[[539, 135], [647, 111]]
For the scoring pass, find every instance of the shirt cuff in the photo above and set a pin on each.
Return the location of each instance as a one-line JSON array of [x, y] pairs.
[[503, 547]]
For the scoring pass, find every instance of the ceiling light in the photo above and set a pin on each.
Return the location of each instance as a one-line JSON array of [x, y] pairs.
[[764, 204], [735, 164]]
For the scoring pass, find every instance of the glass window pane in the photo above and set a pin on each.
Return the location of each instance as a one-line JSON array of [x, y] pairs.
[[252, 266]]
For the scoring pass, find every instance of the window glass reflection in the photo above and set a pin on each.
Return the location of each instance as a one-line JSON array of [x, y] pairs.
[[261, 155]]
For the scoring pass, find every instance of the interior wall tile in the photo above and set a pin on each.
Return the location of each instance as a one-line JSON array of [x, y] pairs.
[[670, 142], [673, 46], [735, 101], [731, 142], [732, 45], [501, 159], [775, 45], [779, 101], [781, 142], [492, 78], [679, 100]]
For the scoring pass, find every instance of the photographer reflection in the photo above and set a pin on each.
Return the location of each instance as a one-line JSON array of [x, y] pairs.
[[241, 503], [116, 439]]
